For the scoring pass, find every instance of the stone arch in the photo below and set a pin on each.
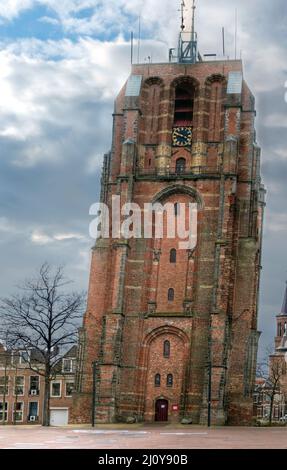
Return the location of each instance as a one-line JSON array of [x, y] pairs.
[[185, 80], [215, 78], [161, 330], [179, 189], [147, 368], [190, 83], [153, 81]]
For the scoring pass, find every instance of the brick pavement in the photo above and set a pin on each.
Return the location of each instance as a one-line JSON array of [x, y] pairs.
[[142, 437]]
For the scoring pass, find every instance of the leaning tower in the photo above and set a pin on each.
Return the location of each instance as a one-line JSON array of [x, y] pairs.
[[171, 334]]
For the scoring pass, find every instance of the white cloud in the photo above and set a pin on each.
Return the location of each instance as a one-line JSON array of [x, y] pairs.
[[281, 152], [276, 120], [39, 93], [5, 225], [49, 20], [52, 85], [94, 164], [11, 8], [68, 236], [276, 222], [39, 237]]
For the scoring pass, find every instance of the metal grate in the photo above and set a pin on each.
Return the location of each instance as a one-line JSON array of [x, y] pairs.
[[134, 85], [234, 83]]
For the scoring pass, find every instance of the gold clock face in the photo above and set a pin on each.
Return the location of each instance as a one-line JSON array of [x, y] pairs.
[[182, 136]]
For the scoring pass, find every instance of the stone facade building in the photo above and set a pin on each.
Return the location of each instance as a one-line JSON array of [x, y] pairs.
[[170, 328]]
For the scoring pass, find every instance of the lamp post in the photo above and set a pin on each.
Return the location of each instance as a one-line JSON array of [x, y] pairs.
[[209, 394], [95, 364]]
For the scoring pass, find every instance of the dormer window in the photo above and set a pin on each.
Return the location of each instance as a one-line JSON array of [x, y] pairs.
[[24, 357], [68, 365]]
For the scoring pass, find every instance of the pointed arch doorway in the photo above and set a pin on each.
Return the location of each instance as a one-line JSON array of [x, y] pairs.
[[161, 410]]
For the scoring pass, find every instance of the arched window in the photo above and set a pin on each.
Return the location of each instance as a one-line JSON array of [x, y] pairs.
[[157, 380], [180, 165], [169, 380], [172, 256], [183, 108], [279, 329], [176, 209], [166, 349], [170, 295]]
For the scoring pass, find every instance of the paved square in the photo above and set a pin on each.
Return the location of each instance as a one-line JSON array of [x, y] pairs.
[[142, 437]]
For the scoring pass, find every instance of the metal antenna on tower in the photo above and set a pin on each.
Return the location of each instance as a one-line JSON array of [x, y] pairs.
[[139, 39], [182, 7], [193, 21], [235, 34], [187, 47]]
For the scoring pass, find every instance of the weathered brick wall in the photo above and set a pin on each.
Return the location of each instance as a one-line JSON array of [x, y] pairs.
[[213, 318]]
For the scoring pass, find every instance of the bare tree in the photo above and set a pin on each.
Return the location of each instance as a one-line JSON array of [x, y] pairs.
[[271, 370], [41, 320]]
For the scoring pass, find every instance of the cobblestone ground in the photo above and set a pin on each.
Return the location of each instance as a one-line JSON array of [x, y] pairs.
[[142, 437]]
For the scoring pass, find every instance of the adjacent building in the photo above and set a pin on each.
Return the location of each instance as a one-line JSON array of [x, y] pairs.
[[274, 387], [22, 389]]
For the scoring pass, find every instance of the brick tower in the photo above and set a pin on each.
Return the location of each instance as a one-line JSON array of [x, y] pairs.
[[170, 328]]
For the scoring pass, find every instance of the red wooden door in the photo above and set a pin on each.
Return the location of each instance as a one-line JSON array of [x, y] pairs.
[[161, 410]]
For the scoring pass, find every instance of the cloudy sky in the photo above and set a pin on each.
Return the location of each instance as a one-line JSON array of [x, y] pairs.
[[61, 65]]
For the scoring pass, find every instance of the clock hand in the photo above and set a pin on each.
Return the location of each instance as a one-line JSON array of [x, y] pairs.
[[179, 134]]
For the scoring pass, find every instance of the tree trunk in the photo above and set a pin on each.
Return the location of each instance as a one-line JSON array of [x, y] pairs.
[[271, 410], [4, 394], [46, 404]]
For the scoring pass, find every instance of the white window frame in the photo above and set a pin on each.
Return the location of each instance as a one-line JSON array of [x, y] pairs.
[[72, 362], [69, 382], [51, 390], [39, 382], [22, 411], [21, 361], [34, 401], [19, 394], [5, 411], [7, 385]]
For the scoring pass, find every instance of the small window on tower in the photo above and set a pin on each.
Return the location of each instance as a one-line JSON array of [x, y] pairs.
[[279, 332], [166, 349], [169, 380], [176, 209], [157, 380], [172, 256], [180, 165], [170, 295]]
